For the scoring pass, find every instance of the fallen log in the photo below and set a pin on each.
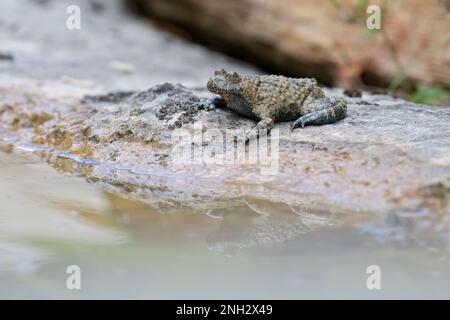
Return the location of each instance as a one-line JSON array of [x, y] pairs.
[[327, 40]]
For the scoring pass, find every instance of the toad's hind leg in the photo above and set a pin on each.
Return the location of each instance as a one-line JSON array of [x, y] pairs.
[[327, 111]]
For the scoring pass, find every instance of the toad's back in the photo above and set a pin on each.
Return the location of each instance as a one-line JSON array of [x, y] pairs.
[[278, 96]]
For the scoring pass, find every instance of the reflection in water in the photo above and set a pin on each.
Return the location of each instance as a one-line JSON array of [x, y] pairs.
[[249, 249], [248, 226], [242, 225], [20, 258]]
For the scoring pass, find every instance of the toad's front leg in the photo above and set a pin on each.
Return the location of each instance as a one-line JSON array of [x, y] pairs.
[[326, 111], [211, 104]]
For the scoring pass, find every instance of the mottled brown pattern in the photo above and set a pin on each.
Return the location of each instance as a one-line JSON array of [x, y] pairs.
[[273, 98]]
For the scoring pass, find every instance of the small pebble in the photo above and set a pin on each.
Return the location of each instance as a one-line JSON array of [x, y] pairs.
[[354, 93]]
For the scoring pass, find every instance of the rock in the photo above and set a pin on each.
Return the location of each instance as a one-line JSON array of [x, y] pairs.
[[354, 93], [122, 66], [6, 56], [328, 40], [114, 51], [387, 156]]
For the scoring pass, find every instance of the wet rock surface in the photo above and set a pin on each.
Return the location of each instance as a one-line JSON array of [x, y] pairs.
[[385, 167], [386, 157]]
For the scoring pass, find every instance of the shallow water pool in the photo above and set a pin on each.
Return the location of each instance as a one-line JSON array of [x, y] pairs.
[[126, 249]]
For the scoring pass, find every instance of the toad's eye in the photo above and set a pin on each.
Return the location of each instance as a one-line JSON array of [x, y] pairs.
[[233, 78]]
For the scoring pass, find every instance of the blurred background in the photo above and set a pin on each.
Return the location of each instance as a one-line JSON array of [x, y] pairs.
[[325, 39]]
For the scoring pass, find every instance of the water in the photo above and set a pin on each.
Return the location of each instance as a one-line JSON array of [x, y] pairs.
[[126, 249]]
